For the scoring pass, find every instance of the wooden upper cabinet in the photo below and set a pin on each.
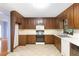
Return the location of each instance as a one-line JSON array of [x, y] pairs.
[[76, 15], [18, 19], [58, 23], [31, 24], [25, 24], [21, 26], [70, 16], [50, 23]]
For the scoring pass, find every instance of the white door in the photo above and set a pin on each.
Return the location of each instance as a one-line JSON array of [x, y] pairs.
[[16, 43]]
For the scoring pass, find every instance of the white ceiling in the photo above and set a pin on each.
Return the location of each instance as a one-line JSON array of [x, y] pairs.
[[27, 9]]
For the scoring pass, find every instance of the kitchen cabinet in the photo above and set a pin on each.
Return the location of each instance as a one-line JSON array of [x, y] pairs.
[[23, 24], [57, 42], [50, 23], [18, 17], [18, 20], [49, 39], [31, 23], [70, 16], [31, 39], [59, 24], [74, 50], [22, 40], [76, 15]]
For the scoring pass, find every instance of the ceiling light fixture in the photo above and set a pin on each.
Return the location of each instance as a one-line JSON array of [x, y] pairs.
[[40, 5]]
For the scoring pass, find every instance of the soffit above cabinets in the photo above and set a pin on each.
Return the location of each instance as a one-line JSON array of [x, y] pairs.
[[27, 9]]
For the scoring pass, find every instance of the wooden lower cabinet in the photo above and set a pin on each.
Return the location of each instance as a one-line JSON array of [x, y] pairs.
[[31, 39], [22, 40], [49, 39], [57, 42]]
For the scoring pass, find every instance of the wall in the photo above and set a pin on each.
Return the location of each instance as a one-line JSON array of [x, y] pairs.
[[5, 21], [0, 45]]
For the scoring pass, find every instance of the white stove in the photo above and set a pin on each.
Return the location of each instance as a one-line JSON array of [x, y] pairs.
[[40, 42]]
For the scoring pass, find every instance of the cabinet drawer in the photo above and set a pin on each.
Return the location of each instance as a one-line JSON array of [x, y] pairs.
[[49, 39], [22, 39], [31, 39]]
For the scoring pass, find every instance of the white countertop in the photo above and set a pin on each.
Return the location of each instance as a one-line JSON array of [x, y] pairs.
[[33, 32], [73, 39]]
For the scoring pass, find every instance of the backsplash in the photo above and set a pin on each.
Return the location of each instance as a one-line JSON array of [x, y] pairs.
[[76, 30], [46, 31], [76, 33], [27, 32]]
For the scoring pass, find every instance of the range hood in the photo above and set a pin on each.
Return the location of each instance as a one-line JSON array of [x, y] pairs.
[[39, 27]]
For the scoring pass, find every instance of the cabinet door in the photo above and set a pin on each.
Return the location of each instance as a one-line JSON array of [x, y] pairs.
[[70, 17], [31, 39], [22, 40], [31, 24], [50, 23], [59, 24], [19, 20], [57, 42], [21, 25], [26, 24], [76, 15], [49, 39]]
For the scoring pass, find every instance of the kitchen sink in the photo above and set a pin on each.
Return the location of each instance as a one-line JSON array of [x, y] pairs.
[[64, 36]]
